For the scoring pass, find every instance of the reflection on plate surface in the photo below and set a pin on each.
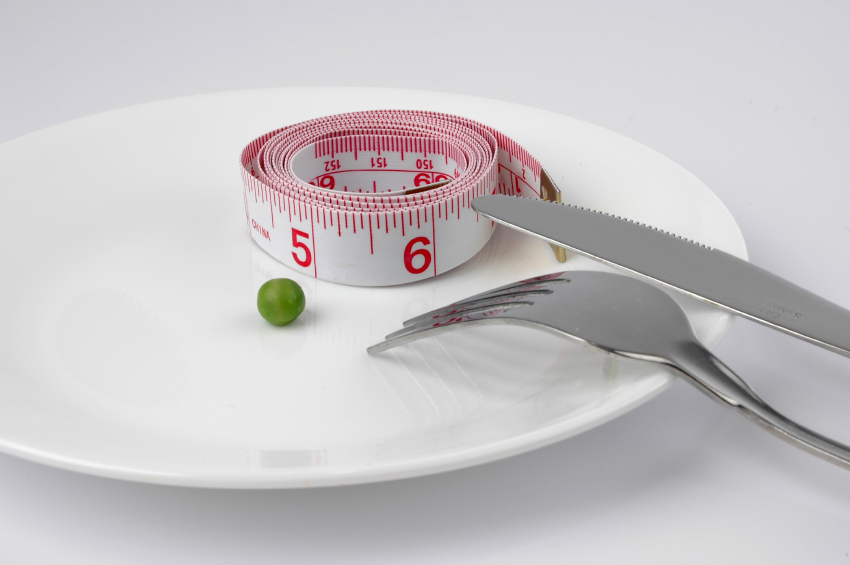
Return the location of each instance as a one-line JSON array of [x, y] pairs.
[[133, 349]]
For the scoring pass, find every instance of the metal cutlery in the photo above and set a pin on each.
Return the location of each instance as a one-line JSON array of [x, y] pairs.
[[622, 316], [686, 266]]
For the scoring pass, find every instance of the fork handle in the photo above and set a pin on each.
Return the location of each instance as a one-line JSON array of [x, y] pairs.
[[721, 383]]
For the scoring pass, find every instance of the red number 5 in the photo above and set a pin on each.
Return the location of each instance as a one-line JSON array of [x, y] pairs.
[[308, 257], [409, 254]]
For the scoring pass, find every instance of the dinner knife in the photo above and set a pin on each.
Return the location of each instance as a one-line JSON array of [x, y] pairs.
[[680, 264]]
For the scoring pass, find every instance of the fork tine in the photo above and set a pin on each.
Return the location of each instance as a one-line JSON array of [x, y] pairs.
[[482, 311], [527, 285], [477, 305], [408, 335], [415, 335]]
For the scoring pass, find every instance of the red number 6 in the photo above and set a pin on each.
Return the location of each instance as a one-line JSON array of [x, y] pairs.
[[409, 254], [308, 257], [326, 181], [422, 179]]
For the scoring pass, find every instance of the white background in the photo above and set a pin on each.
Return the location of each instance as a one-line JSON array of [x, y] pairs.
[[752, 97]]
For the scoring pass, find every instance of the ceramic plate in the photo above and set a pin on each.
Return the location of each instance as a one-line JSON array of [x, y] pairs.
[[130, 344]]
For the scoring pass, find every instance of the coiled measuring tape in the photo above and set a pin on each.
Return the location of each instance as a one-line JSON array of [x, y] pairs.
[[382, 197]]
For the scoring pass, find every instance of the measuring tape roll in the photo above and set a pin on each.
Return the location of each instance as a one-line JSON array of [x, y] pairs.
[[382, 197]]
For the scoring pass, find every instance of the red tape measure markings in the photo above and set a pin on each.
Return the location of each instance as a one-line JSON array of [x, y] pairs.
[[361, 164]]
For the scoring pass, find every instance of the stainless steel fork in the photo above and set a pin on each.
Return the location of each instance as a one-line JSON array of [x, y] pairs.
[[623, 316]]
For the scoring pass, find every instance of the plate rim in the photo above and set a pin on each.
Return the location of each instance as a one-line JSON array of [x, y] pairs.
[[261, 478]]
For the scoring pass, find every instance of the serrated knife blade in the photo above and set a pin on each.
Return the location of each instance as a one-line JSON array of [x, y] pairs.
[[698, 271]]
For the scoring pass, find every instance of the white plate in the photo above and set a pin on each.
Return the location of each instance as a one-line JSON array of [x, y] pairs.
[[130, 345]]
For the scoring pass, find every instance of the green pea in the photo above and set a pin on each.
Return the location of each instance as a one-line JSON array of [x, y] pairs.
[[280, 301]]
